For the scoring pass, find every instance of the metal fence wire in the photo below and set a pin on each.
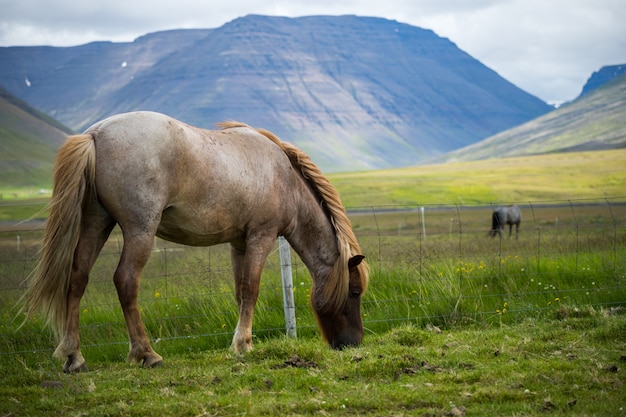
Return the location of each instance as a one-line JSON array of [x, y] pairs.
[[428, 264]]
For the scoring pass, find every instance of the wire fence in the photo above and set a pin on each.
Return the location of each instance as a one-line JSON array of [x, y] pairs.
[[428, 264]]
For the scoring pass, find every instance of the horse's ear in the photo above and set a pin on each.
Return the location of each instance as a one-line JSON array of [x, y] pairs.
[[355, 261]]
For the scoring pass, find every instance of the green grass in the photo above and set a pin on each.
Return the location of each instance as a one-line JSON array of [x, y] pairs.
[[446, 279], [454, 274], [570, 364], [14, 209], [532, 326], [565, 176]]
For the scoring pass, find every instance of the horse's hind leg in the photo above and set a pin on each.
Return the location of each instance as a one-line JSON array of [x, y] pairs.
[[95, 230], [137, 249]]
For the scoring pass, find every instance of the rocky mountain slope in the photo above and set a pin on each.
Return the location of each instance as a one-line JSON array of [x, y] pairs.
[[596, 120], [354, 92], [604, 75]]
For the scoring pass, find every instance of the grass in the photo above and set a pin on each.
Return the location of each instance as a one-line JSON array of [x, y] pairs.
[[457, 324], [551, 177], [570, 364], [446, 279], [16, 209]]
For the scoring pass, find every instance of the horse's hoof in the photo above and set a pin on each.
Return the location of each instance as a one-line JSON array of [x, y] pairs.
[[152, 362], [71, 367], [241, 347], [82, 368]]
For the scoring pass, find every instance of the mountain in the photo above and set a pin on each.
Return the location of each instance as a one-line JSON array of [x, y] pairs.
[[604, 75], [593, 121], [28, 143], [354, 92]]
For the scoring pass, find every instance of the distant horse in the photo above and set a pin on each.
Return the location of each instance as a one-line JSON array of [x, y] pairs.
[[154, 175], [511, 215]]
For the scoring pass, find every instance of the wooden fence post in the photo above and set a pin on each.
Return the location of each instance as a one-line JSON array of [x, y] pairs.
[[288, 300]]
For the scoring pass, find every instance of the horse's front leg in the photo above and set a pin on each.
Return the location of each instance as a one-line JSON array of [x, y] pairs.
[[137, 249], [248, 261]]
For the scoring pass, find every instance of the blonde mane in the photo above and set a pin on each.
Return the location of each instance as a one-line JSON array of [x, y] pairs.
[[335, 291]]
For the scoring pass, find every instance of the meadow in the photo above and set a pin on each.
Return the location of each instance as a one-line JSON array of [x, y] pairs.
[[456, 323], [551, 177]]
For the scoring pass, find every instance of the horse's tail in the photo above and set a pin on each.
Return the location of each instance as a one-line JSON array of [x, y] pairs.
[[495, 223], [74, 175]]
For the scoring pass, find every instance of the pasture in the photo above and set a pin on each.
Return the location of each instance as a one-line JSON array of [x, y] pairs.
[[457, 323], [571, 364]]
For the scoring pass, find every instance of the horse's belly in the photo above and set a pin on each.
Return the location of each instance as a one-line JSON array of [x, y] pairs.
[[190, 238], [196, 231]]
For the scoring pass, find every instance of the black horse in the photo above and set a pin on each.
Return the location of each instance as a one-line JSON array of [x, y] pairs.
[[501, 216]]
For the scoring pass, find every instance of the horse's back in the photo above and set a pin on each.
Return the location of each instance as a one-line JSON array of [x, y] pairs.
[[515, 214], [501, 214], [202, 186]]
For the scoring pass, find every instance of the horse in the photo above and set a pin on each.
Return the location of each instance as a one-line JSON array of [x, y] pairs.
[[511, 215], [156, 176]]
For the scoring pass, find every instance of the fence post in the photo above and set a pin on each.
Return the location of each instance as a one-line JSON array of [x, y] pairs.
[[288, 301], [577, 232], [423, 223], [614, 235]]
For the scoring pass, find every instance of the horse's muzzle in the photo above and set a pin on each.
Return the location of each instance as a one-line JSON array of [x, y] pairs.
[[344, 342]]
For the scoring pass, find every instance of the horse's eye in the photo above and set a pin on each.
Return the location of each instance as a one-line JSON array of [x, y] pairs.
[[355, 293]]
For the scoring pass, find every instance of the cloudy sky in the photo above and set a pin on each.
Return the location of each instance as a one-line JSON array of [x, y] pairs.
[[546, 47]]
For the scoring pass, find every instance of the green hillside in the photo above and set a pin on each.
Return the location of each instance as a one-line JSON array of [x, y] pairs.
[[592, 122], [550, 177], [28, 142]]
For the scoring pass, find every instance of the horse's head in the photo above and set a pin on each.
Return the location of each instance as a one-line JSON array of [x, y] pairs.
[[344, 327]]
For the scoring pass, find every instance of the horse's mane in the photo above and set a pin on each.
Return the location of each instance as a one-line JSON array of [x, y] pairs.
[[335, 291]]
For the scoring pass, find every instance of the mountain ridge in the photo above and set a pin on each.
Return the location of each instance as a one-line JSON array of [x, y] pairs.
[[594, 121], [29, 139], [603, 76], [353, 92]]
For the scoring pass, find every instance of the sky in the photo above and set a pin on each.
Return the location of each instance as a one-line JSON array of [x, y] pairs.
[[548, 48]]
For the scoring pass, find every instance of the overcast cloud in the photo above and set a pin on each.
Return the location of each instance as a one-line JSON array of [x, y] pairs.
[[547, 47]]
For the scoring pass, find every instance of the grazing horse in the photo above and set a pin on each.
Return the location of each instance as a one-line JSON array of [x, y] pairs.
[[511, 215], [156, 176]]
